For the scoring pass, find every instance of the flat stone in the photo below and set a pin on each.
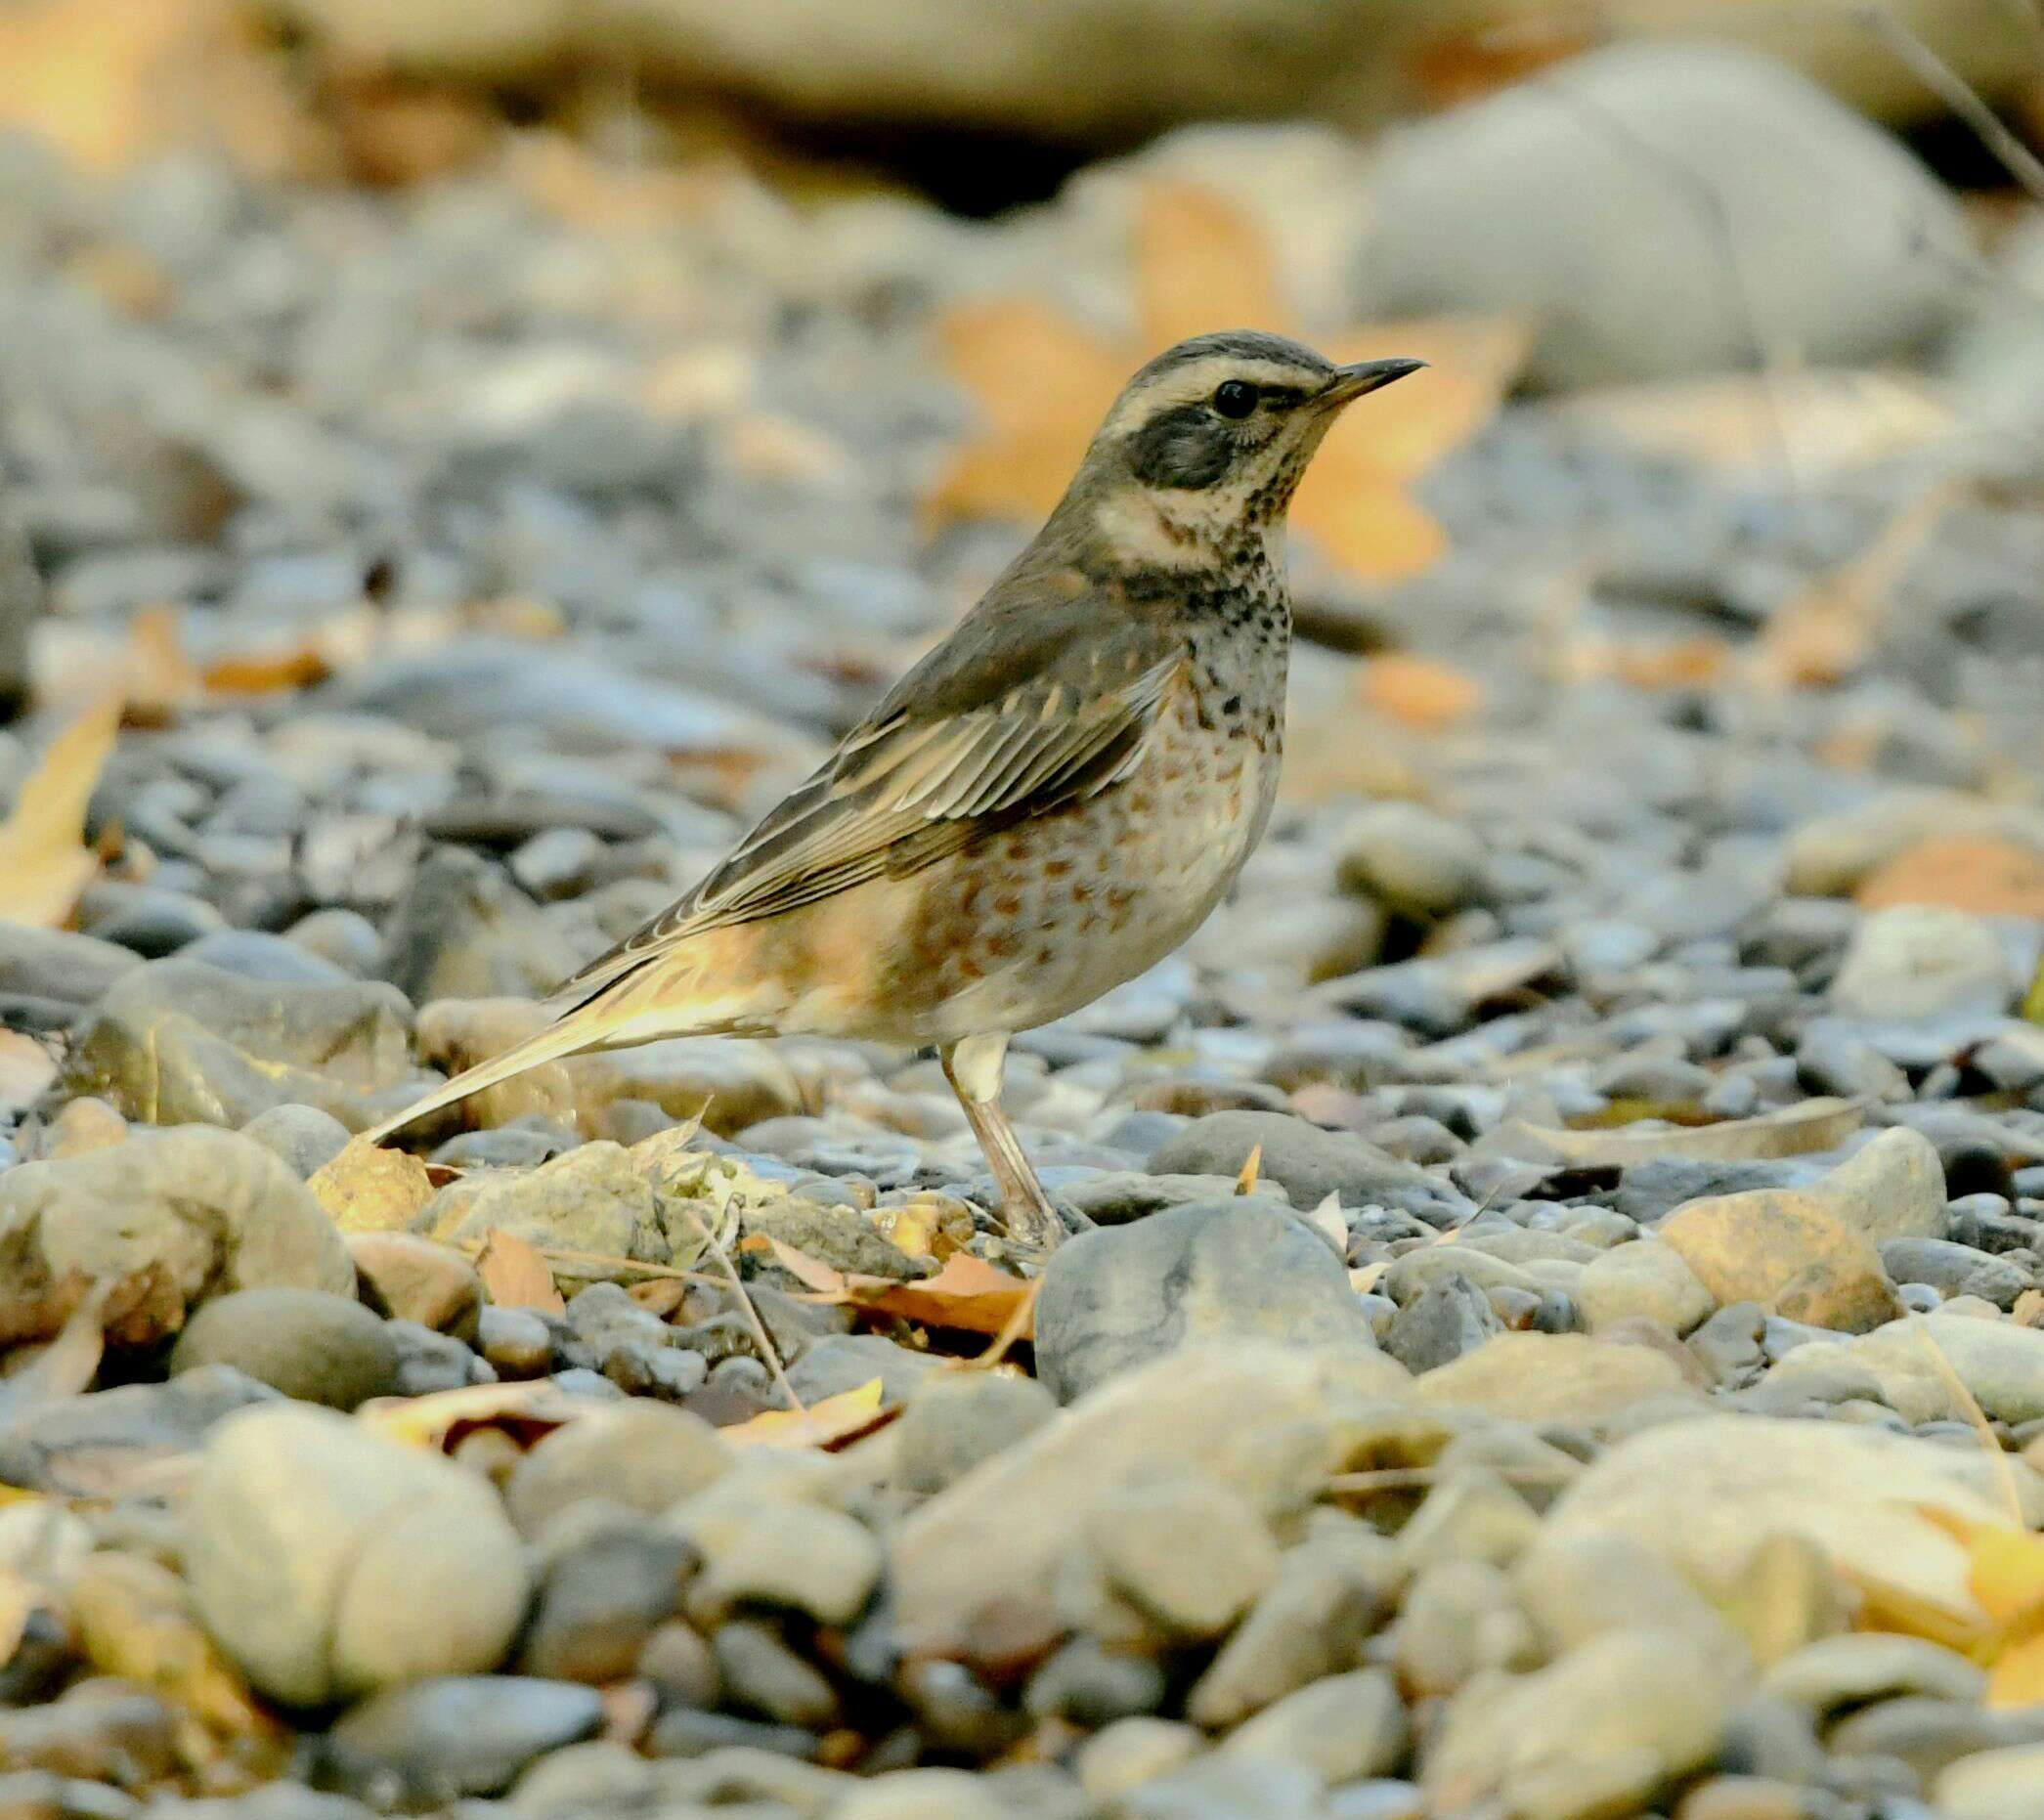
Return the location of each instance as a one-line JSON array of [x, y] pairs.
[[306, 1343], [1119, 1297], [1556, 1377], [440, 1740], [1307, 1162], [1789, 1251], [1703, 1492]]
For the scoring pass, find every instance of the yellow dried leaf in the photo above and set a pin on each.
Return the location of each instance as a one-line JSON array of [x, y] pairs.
[[834, 1420], [2006, 1572], [2017, 1678], [44, 861], [531, 1409]]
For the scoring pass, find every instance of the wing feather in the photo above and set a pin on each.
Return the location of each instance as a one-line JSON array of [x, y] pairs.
[[980, 735]]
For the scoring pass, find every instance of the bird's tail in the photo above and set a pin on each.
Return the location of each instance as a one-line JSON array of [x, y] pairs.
[[569, 1036]]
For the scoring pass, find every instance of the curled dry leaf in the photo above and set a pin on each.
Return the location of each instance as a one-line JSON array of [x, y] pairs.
[[1044, 381], [1417, 691], [1821, 1124], [44, 861], [967, 1294], [516, 1274], [526, 1410], [826, 1424]]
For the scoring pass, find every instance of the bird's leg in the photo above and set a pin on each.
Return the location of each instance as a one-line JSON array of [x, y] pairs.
[[972, 1066]]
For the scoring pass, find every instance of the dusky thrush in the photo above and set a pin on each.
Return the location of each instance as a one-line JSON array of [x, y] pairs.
[[1048, 803]]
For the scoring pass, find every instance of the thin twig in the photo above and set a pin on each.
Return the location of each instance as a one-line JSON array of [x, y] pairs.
[[745, 1302], [1012, 1329], [587, 1261], [1957, 94], [1978, 1417]]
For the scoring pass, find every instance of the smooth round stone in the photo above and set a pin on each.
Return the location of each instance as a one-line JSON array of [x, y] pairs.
[[601, 1601], [310, 1345], [1412, 859], [952, 1423], [645, 1456], [923, 1795], [304, 1136], [1996, 1784], [345, 939], [1091, 1686], [441, 1739]]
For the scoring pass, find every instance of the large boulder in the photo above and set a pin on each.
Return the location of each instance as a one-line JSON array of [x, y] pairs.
[[1104, 70], [179, 1042], [158, 1221], [1663, 209]]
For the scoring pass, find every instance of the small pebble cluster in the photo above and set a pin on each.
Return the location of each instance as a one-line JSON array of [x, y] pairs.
[[1557, 1266]]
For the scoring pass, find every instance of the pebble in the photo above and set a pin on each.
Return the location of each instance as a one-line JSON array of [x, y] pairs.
[[643, 1456], [1120, 1297], [330, 1561], [443, 1739], [308, 1344]]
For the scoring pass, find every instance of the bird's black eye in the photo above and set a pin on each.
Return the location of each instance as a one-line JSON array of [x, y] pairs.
[[1235, 398]]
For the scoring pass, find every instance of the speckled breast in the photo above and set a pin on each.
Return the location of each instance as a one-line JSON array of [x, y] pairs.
[[1044, 917]]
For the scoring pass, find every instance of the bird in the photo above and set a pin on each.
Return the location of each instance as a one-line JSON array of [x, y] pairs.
[[1053, 800]]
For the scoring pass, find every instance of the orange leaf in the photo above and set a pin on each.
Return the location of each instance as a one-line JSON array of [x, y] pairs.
[[516, 1274], [968, 1293], [1200, 265], [261, 673], [828, 1423], [1990, 878], [533, 1407], [1368, 525], [44, 861], [1417, 691], [161, 677]]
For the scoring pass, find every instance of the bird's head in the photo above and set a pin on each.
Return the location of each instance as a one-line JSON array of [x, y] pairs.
[[1206, 443]]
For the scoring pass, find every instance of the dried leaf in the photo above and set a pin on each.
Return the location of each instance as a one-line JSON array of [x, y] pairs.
[[2017, 1678], [1252, 1166], [1825, 633], [967, 1294], [1817, 421], [160, 679], [262, 672], [1990, 878], [1820, 1124], [1417, 691], [529, 1408], [828, 1423], [135, 1621], [1200, 264], [516, 1274], [44, 861], [1044, 383]]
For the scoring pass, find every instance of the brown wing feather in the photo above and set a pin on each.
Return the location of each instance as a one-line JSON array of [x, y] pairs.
[[1042, 696]]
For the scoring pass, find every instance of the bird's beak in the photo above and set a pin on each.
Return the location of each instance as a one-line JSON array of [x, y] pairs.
[[1349, 383]]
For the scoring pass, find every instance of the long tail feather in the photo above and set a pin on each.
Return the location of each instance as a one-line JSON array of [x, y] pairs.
[[571, 1034]]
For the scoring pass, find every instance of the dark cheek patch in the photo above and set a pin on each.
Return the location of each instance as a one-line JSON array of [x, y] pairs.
[[1187, 449]]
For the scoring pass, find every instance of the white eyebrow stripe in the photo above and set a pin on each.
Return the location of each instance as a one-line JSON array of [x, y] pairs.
[[1194, 381]]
